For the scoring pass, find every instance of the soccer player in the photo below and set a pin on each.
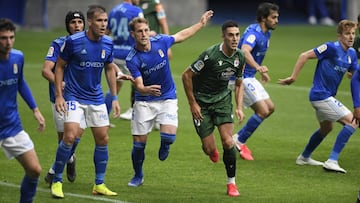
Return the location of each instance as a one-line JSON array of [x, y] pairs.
[[119, 19], [206, 86], [15, 142], [357, 38], [355, 85], [155, 95], [74, 22], [255, 42], [154, 13], [334, 60], [81, 61]]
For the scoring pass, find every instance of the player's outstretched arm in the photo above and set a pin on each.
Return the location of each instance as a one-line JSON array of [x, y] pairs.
[[302, 59], [190, 31]]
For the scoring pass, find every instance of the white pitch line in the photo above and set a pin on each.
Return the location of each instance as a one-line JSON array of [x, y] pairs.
[[97, 198]]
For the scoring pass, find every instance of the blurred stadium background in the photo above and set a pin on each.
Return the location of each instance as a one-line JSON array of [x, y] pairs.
[[49, 14]]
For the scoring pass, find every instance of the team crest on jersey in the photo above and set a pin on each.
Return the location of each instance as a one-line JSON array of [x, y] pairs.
[[15, 68], [83, 51], [236, 62], [161, 53], [199, 65], [321, 48], [103, 54], [251, 39], [50, 52], [220, 63]]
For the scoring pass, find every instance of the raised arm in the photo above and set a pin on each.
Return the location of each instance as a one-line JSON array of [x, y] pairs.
[[190, 31]]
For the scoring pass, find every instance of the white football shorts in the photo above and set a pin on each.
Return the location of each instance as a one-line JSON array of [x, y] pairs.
[[59, 120], [16, 145], [253, 92], [91, 115], [145, 114], [330, 109]]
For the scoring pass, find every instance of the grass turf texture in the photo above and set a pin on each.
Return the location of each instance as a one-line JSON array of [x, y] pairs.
[[188, 175]]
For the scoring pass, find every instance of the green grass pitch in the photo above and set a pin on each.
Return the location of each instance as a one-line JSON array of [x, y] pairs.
[[188, 175]]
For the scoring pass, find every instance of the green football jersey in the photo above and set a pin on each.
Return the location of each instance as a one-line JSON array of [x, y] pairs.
[[357, 45], [148, 7], [213, 70]]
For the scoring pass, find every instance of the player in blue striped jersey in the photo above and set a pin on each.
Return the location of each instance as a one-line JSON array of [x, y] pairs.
[[15, 142], [334, 60], [155, 95], [80, 65]]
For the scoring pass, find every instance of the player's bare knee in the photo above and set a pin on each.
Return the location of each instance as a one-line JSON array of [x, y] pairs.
[[103, 140], [34, 171]]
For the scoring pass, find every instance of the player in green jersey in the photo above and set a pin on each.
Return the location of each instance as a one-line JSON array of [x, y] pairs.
[[206, 86], [154, 13], [357, 39]]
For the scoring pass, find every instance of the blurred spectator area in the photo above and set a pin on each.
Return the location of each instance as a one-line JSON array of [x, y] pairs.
[[291, 11], [49, 14], [13, 9]]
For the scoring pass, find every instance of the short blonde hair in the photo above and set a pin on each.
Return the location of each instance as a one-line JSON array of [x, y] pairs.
[[345, 25], [135, 21]]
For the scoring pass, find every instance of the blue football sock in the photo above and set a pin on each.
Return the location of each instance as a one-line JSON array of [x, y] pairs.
[[101, 157], [28, 189], [341, 141], [314, 141], [108, 101], [138, 157], [76, 142], [249, 128], [167, 138], [62, 155]]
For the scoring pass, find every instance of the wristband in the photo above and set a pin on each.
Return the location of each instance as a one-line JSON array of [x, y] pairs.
[[114, 97]]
